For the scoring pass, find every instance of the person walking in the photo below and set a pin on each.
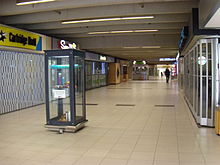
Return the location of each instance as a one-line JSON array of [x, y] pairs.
[[167, 74]]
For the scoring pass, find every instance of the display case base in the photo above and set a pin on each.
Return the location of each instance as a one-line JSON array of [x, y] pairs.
[[62, 129]]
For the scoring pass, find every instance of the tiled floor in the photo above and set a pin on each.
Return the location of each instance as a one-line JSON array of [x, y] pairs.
[[115, 135]]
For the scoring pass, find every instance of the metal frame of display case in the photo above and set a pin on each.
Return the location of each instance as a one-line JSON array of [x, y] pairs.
[[73, 124]]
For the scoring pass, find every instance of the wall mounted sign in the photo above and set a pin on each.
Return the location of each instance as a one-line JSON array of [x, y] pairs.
[[63, 45], [167, 59], [20, 39], [103, 58], [202, 60]]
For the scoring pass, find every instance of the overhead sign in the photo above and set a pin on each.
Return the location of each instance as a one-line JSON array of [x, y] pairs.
[[20, 39]]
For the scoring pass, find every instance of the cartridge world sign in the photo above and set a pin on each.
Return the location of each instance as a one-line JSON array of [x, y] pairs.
[[19, 38]]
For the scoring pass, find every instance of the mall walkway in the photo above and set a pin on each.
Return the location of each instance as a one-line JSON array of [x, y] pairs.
[[155, 128]]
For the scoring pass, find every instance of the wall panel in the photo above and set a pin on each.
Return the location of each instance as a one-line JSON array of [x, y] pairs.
[[21, 80]]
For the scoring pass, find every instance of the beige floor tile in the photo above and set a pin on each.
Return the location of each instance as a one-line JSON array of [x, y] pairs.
[[147, 156], [191, 158], [96, 152], [171, 157], [165, 163], [118, 154], [89, 160], [140, 162], [111, 161]]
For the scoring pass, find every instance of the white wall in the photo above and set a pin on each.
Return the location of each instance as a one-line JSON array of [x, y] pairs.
[[206, 9]]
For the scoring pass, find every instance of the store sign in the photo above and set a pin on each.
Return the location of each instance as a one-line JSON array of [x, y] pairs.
[[67, 46], [202, 60], [103, 58], [20, 39], [167, 59]]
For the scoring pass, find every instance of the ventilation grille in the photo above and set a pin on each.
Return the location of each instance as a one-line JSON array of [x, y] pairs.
[[87, 104], [129, 105], [164, 105]]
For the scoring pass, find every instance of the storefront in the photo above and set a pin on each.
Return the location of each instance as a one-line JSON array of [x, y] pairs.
[[97, 70], [22, 69], [201, 80], [140, 70]]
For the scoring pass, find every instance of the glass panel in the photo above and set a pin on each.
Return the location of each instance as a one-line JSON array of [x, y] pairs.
[[196, 77], [204, 97], [199, 84], [88, 75], [199, 100], [210, 98], [59, 88], [79, 86], [203, 59], [209, 51], [198, 59], [210, 67]]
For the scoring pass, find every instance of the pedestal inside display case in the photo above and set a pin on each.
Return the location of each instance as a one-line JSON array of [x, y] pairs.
[[65, 90]]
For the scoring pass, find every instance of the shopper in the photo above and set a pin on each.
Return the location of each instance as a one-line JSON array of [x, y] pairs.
[[167, 74]]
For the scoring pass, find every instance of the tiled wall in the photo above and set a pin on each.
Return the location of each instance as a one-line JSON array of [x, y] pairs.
[[21, 80]]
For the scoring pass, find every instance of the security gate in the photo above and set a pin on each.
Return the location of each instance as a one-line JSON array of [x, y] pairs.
[[200, 79]]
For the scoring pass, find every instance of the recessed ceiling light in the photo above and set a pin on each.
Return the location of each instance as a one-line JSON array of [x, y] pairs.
[[28, 2], [107, 19], [123, 31]]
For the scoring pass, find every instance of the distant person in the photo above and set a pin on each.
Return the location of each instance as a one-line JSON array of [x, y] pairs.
[[161, 74], [167, 74]]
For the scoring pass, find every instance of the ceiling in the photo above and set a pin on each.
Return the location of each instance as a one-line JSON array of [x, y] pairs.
[[169, 18]]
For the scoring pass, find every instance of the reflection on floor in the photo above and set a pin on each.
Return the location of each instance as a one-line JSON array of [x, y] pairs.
[[143, 134]]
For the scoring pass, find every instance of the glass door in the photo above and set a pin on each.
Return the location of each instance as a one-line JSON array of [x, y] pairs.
[[79, 89]]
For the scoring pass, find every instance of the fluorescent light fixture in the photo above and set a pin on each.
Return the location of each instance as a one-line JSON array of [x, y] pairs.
[[124, 31], [131, 47], [151, 47], [128, 31], [138, 31], [32, 2], [107, 19], [144, 47], [98, 33]]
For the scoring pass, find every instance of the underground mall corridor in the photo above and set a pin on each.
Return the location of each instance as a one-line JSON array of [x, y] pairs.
[[133, 123]]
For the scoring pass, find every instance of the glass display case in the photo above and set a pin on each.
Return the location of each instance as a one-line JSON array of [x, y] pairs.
[[65, 90]]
